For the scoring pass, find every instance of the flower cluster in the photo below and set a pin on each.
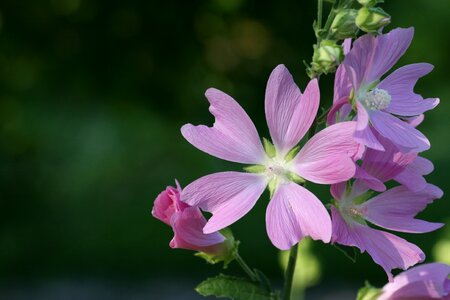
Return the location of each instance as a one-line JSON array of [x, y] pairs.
[[370, 139]]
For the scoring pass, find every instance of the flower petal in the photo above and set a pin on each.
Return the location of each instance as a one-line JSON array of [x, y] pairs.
[[400, 86], [289, 114], [400, 133], [188, 229], [396, 208], [426, 281], [227, 195], [371, 56], [387, 250], [363, 133], [327, 157], [233, 136], [293, 213]]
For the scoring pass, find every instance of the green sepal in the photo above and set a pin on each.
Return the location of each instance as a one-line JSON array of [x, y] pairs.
[[295, 178], [224, 286], [272, 186], [363, 197], [292, 153], [269, 148], [368, 292], [255, 169], [225, 252]]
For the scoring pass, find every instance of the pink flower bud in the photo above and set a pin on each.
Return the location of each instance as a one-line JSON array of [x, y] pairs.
[[187, 223]]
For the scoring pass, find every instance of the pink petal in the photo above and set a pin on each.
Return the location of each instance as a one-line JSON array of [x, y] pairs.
[[289, 114], [422, 282], [188, 229], [414, 121], [327, 157], [412, 176], [385, 165], [363, 133], [396, 208], [400, 85], [338, 190], [371, 56], [167, 204], [399, 132], [370, 181], [387, 250], [227, 195], [339, 111], [233, 136], [293, 213]]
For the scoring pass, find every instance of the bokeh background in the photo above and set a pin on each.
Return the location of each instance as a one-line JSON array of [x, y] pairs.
[[92, 96]]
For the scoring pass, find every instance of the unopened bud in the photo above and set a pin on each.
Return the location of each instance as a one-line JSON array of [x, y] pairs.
[[326, 57], [368, 3], [371, 19], [343, 25]]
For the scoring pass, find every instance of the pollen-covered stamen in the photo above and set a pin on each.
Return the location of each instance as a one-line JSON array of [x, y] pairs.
[[376, 99]]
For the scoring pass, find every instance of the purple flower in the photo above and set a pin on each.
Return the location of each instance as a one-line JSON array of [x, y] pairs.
[[187, 223], [378, 167], [379, 104], [293, 211], [394, 209], [428, 281]]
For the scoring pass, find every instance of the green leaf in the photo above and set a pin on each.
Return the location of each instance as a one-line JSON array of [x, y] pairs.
[[349, 252], [224, 286]]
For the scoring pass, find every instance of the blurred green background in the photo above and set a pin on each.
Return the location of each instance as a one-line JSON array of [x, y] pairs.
[[92, 96]]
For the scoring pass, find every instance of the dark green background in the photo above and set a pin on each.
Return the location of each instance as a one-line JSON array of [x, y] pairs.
[[92, 96]]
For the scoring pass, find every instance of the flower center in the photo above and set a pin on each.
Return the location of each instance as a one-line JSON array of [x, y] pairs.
[[376, 99]]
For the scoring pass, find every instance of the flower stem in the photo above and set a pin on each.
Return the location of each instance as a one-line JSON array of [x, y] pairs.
[[246, 268], [289, 274]]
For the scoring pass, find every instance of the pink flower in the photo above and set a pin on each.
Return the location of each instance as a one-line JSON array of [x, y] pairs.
[[378, 103], [378, 167], [428, 281], [395, 210], [187, 223], [293, 211]]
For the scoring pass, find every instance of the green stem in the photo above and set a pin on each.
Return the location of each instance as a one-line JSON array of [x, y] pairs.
[[289, 275], [319, 19], [246, 268]]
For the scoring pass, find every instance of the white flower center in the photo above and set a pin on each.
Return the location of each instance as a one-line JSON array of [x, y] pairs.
[[376, 99], [276, 168]]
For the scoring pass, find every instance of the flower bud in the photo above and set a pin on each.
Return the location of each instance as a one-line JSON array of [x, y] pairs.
[[326, 57], [187, 223], [368, 3], [372, 19], [343, 25]]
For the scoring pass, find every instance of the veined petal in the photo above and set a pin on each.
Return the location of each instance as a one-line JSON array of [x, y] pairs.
[[387, 250], [188, 229], [399, 132], [371, 57], [396, 208], [400, 86], [233, 136], [327, 157], [293, 213], [427, 281], [289, 114], [227, 195], [385, 165], [363, 133]]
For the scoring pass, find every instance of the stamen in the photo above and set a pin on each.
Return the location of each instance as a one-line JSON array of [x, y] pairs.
[[376, 99]]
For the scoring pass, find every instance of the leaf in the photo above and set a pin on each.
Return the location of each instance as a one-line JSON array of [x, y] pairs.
[[224, 286], [349, 252]]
